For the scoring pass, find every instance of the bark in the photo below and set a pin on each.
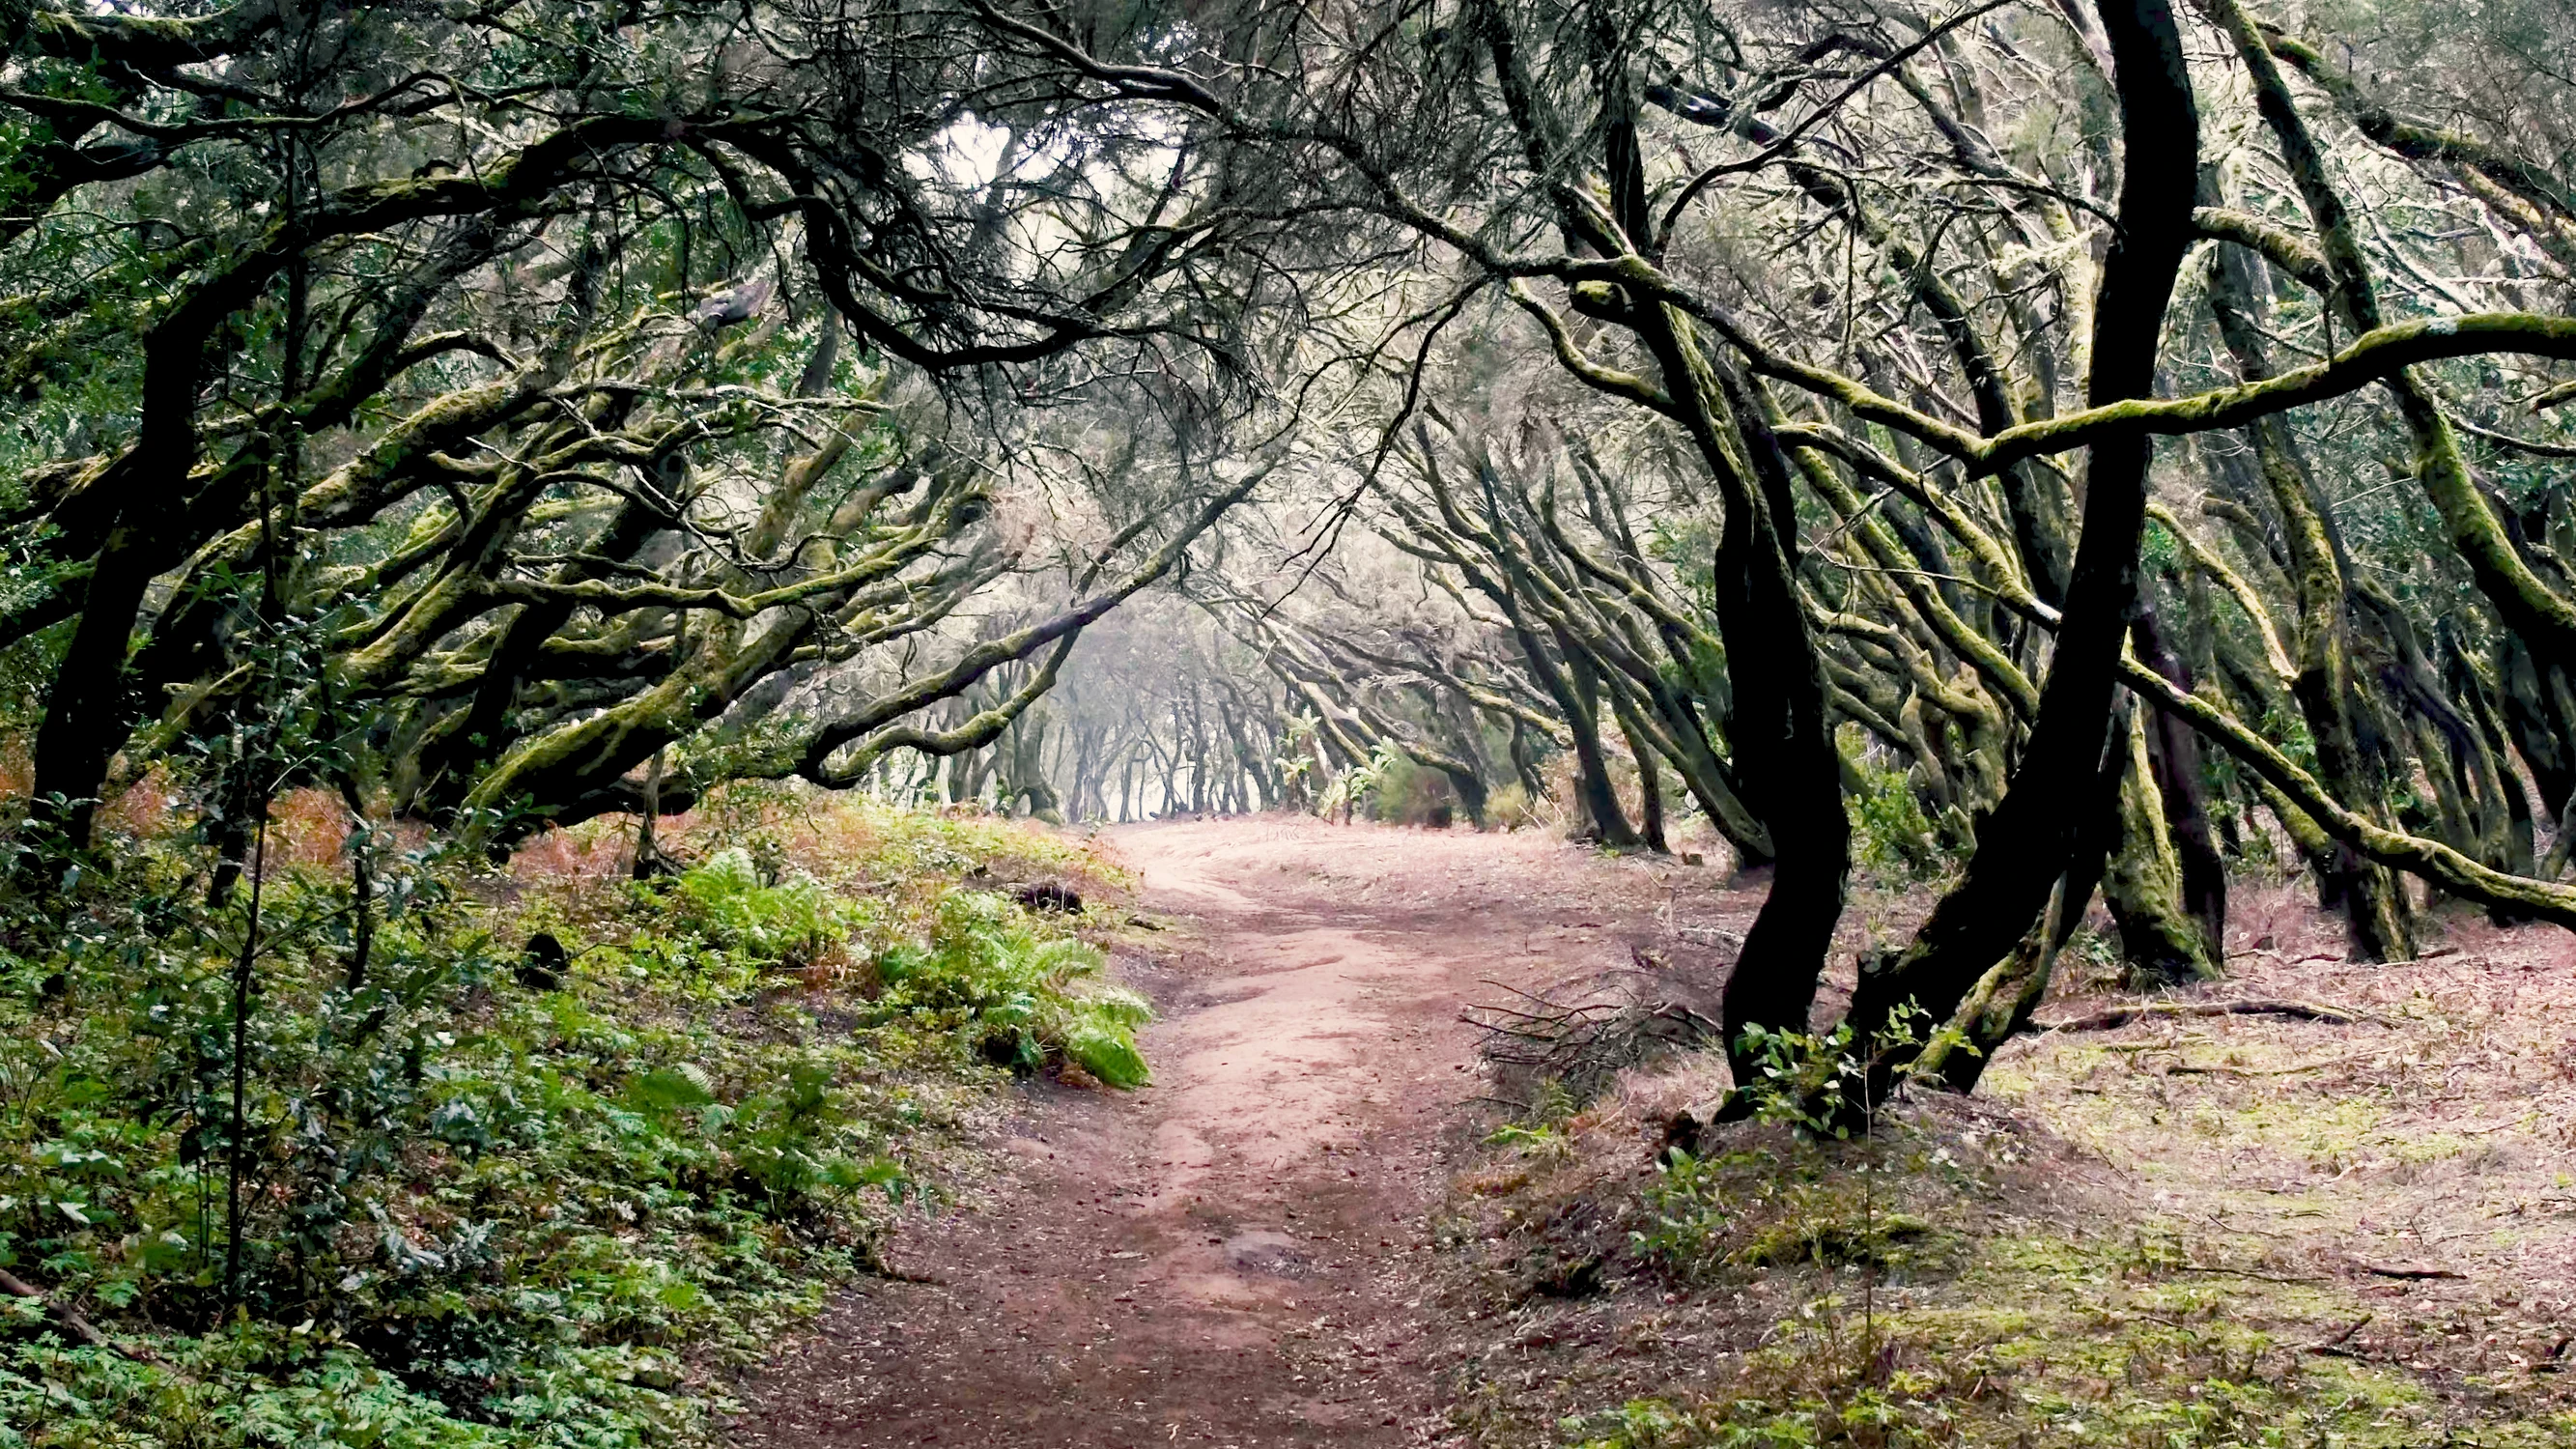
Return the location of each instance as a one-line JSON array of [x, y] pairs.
[[1650, 789], [648, 854], [1665, 716], [2324, 686], [2026, 845], [2173, 756], [2540, 713], [1778, 720], [1999, 1006], [1593, 795], [2163, 944]]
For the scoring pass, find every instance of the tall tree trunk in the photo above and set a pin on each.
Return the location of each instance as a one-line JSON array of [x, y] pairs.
[[2163, 943], [648, 853], [1999, 1006], [2025, 846], [2173, 758], [1650, 788], [1777, 719], [2368, 894], [1581, 699]]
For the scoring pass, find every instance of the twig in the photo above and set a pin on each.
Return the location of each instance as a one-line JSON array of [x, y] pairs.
[[1707, 935], [1580, 1042], [2334, 1347], [1533, 996], [2119, 1016], [2187, 1069], [2249, 1273], [2378, 1271]]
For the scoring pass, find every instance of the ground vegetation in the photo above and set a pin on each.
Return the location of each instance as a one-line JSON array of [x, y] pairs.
[[1999, 482]]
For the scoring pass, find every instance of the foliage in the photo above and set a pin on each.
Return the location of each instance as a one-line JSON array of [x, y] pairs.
[[482, 1207], [1029, 998], [645, 295], [1405, 793], [1758, 1208], [779, 920], [1892, 838], [1541, 1130], [1802, 1078], [1358, 788]]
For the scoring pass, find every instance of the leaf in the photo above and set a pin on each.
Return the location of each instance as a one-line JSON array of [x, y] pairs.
[[1108, 1053], [685, 1085], [881, 1172]]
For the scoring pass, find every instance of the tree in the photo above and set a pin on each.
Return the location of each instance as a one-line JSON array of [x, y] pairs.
[[1565, 168], [569, 376]]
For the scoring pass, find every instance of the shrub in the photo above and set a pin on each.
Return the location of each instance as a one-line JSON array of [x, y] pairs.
[[726, 900], [1036, 998], [1891, 836], [476, 1210]]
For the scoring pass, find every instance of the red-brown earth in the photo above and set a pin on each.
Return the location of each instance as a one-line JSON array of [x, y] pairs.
[[1234, 1254]]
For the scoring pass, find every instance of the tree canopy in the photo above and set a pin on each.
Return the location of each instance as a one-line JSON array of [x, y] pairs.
[[2077, 443]]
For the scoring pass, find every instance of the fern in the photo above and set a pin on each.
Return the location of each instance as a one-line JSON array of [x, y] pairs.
[[726, 902], [1035, 998], [1106, 1050]]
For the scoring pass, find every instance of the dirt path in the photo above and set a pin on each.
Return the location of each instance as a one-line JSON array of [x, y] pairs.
[[1223, 1258]]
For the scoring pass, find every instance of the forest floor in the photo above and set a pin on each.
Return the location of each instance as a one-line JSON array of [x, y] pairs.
[[1331, 1221], [1237, 1254]]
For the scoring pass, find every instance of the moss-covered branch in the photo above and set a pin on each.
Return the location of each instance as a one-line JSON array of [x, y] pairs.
[[2430, 859]]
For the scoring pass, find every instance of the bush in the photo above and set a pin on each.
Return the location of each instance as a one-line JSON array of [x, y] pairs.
[[479, 1206], [785, 921], [1891, 836], [1037, 1000]]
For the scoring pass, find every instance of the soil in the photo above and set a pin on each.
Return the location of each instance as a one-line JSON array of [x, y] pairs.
[[1236, 1255], [1300, 1234]]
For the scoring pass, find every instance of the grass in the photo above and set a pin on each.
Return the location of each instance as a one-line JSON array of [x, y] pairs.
[[483, 1206], [2103, 1251]]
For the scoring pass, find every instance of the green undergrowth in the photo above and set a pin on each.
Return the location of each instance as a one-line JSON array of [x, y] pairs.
[[2052, 1340], [1947, 1282], [489, 1195]]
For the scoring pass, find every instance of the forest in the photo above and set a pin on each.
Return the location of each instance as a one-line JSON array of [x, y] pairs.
[[635, 632]]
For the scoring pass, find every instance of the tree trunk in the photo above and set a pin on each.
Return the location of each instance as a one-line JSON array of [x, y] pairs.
[[1778, 719], [648, 854], [1999, 1006], [1650, 788], [2173, 758], [2163, 943], [1593, 790], [2026, 844]]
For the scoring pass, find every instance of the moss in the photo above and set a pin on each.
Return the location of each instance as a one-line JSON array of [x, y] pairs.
[[1998, 1332]]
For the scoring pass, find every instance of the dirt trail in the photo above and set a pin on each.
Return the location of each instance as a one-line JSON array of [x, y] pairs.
[[1222, 1258]]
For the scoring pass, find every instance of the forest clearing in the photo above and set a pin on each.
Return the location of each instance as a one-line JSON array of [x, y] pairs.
[[1614, 724]]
